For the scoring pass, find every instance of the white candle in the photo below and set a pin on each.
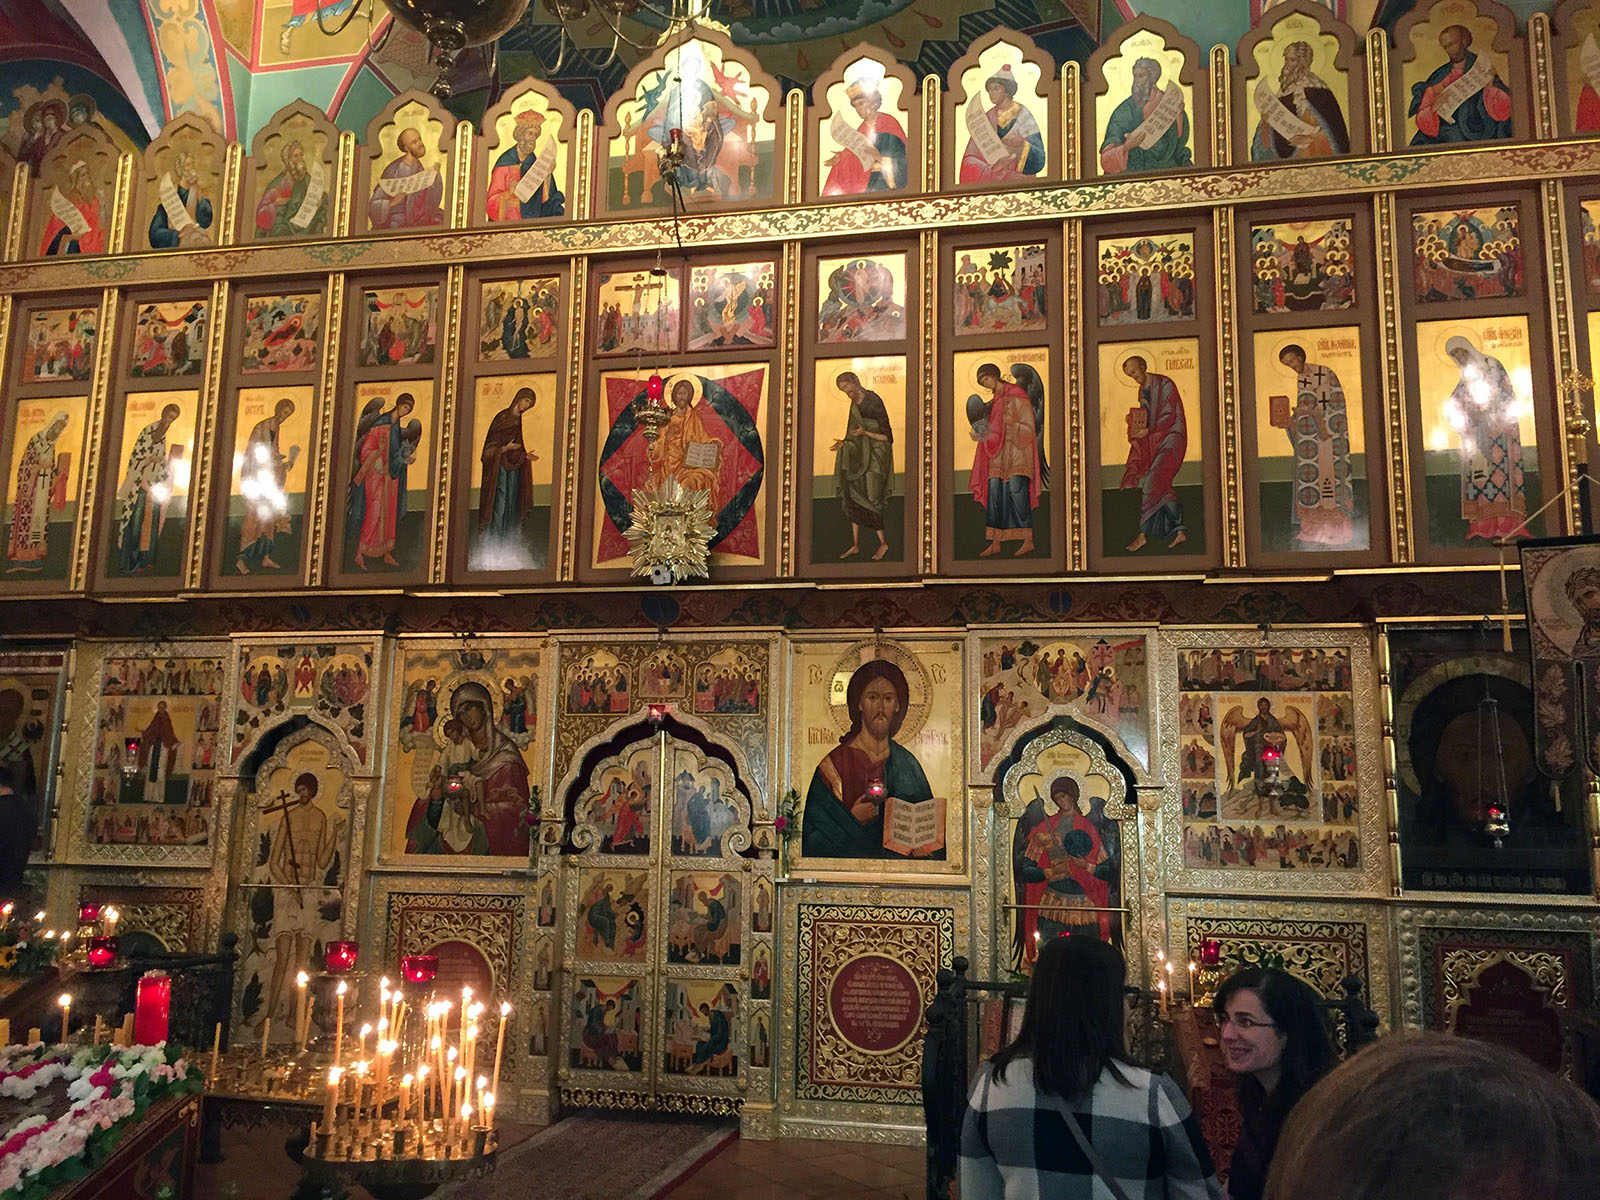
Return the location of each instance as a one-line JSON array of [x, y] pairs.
[[338, 1025], [65, 1000]]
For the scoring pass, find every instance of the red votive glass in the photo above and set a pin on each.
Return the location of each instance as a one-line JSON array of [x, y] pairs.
[[102, 951], [1210, 953], [88, 914], [340, 957], [152, 1008], [419, 968], [875, 788]]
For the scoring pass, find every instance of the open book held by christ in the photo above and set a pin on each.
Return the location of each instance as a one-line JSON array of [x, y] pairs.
[[914, 829]]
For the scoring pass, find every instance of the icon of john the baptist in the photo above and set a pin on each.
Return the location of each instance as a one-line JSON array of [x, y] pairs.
[[852, 785]]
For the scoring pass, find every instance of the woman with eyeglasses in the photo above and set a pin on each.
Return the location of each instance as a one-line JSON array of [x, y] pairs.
[[1275, 1039], [1062, 1114]]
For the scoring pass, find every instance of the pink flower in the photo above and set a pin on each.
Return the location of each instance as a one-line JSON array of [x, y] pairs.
[[781, 824], [530, 818]]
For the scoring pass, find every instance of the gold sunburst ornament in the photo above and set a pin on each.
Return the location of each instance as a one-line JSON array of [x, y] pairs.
[[670, 536]]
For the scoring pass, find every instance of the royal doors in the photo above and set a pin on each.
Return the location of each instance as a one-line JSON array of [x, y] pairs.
[[658, 909]]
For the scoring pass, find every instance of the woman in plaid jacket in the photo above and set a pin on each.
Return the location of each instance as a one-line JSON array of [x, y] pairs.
[[1135, 1137]]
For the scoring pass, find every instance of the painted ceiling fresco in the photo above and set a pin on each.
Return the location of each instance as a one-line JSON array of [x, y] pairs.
[[132, 66]]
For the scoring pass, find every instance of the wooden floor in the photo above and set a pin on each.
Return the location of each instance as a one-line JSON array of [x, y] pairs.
[[802, 1168], [256, 1168]]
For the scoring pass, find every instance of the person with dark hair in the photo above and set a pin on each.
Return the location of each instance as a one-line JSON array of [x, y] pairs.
[[1428, 1116], [19, 823], [1062, 1113], [1275, 1039], [853, 784]]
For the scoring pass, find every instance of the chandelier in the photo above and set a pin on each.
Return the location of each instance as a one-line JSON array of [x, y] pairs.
[[451, 26]]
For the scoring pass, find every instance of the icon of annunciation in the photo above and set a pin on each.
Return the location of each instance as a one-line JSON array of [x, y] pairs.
[[861, 299], [1001, 289], [1001, 464], [150, 513], [1146, 279], [281, 333], [858, 460], [1302, 266], [638, 311], [519, 318], [733, 304], [512, 437], [44, 485], [1480, 452], [1311, 440], [462, 751], [712, 442], [1468, 254], [267, 492], [716, 106], [1152, 490]]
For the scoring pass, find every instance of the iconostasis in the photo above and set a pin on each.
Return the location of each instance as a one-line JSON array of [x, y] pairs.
[[1086, 452]]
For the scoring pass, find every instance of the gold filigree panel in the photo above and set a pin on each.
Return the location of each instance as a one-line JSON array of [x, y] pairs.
[[849, 1021]]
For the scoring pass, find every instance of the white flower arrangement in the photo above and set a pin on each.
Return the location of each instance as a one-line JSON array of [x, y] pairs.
[[103, 1087]]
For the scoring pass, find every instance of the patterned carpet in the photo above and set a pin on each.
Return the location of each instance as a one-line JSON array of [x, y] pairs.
[[601, 1156]]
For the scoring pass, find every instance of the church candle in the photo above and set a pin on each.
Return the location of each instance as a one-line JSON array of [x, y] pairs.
[[404, 1110], [5, 1031], [330, 1107], [216, 1049], [65, 1000], [499, 1047], [487, 1104], [303, 992], [305, 1029], [423, 1071], [99, 1028], [35, 1036], [266, 1029], [338, 1024]]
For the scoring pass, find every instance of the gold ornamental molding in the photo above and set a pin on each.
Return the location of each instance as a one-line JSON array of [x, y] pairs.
[[1071, 86], [11, 234], [1221, 106], [455, 289], [789, 401], [932, 93], [206, 435], [1077, 408], [1475, 166], [1544, 118], [319, 472], [1553, 211], [567, 560], [1386, 247], [929, 308], [1228, 391], [1378, 90], [99, 401]]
